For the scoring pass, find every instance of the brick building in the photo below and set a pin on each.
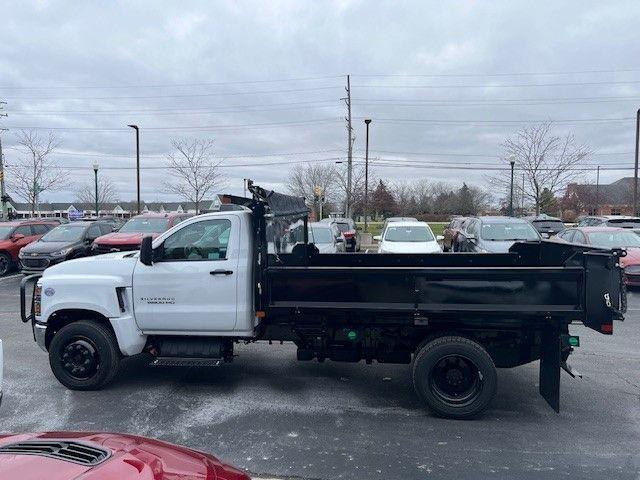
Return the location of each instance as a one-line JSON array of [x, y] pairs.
[[589, 199]]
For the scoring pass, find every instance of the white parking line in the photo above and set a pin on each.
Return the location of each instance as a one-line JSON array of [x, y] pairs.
[[15, 275]]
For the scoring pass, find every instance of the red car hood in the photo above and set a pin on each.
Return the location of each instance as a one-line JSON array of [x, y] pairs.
[[132, 457], [118, 238], [5, 244], [632, 257]]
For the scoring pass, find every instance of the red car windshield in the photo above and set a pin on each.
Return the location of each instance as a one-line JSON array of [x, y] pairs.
[[145, 225], [5, 231], [614, 239]]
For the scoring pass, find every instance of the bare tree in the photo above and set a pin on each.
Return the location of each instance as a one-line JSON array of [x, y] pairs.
[[107, 192], [304, 178], [35, 171], [357, 185], [195, 172], [548, 161]]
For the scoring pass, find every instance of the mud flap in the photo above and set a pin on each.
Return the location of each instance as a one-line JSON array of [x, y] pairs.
[[550, 362]]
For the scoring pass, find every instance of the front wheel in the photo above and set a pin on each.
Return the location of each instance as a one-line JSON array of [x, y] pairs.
[[5, 263], [84, 355], [455, 377]]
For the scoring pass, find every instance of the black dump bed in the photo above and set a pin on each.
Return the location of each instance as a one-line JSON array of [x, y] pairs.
[[535, 282]]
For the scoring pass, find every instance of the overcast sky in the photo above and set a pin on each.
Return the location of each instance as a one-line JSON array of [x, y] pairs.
[[444, 82]]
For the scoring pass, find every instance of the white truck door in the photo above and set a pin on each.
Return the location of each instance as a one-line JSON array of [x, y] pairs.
[[192, 285]]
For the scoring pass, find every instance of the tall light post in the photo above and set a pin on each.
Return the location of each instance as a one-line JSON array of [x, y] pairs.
[[512, 162], [366, 176], [135, 127], [95, 175]]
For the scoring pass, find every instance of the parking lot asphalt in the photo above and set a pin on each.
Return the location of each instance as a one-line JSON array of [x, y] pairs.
[[274, 416]]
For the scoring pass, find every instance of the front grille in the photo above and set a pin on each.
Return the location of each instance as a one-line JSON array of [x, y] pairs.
[[61, 450], [35, 262], [100, 249]]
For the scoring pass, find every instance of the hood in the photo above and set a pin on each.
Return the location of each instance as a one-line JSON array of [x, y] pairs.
[[130, 458], [496, 246], [326, 247], [47, 247], [123, 238], [410, 247], [102, 265], [6, 243]]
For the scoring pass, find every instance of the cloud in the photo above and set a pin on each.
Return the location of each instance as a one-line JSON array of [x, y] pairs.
[[264, 79]]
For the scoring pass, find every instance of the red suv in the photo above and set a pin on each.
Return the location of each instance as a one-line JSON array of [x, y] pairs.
[[16, 234], [129, 237]]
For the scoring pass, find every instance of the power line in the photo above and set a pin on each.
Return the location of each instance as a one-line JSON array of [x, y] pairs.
[[513, 85], [190, 111], [107, 155], [183, 95], [498, 122], [168, 167], [170, 85], [185, 127], [455, 154], [501, 74]]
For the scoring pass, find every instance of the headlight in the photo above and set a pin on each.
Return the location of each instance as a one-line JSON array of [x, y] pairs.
[[62, 252], [632, 269]]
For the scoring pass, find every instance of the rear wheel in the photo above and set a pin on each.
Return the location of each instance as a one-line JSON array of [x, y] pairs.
[[455, 377], [84, 355], [5, 264]]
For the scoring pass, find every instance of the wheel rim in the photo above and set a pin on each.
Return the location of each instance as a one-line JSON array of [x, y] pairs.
[[456, 380], [80, 358], [4, 264]]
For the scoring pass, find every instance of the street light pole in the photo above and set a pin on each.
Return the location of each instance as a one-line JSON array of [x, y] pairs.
[[598, 191], [512, 162], [135, 127], [366, 176], [635, 170], [95, 172]]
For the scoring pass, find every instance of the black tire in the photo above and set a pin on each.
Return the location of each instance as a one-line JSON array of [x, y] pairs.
[[77, 343], [455, 377], [5, 264]]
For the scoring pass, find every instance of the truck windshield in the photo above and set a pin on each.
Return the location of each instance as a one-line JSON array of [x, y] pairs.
[[5, 231], [614, 239], [408, 234], [145, 225], [508, 231], [64, 233], [322, 235]]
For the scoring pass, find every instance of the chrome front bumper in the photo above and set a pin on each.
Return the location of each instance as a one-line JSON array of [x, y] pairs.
[[39, 333]]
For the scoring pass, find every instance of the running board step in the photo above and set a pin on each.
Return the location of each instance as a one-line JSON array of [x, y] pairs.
[[186, 362]]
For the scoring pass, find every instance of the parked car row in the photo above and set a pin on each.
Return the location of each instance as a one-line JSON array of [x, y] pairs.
[[32, 245]]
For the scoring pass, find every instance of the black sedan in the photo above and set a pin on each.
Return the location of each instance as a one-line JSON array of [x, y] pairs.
[[67, 241]]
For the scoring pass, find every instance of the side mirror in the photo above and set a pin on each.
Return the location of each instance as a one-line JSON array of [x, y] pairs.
[[439, 238], [377, 238], [16, 237], [146, 251]]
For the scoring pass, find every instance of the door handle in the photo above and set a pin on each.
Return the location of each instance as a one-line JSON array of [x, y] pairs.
[[221, 272]]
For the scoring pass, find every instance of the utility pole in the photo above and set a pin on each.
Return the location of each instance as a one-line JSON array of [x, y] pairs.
[[95, 174], [598, 191], [635, 170], [349, 148], [512, 162], [366, 176], [3, 192], [135, 127]]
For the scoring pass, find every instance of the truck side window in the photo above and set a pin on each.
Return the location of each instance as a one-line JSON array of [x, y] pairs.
[[206, 240]]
